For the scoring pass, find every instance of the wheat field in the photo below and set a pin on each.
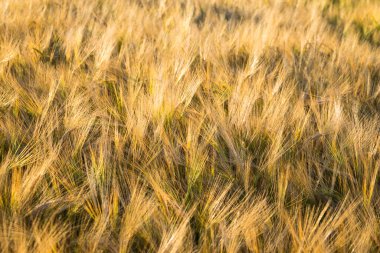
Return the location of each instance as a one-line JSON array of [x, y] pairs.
[[189, 126]]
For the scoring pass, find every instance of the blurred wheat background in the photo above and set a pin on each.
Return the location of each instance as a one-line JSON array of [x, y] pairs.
[[189, 126]]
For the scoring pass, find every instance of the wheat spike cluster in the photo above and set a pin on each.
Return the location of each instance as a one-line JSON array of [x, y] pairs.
[[189, 126]]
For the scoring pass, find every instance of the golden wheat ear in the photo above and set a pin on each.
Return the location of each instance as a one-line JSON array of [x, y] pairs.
[[189, 126]]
